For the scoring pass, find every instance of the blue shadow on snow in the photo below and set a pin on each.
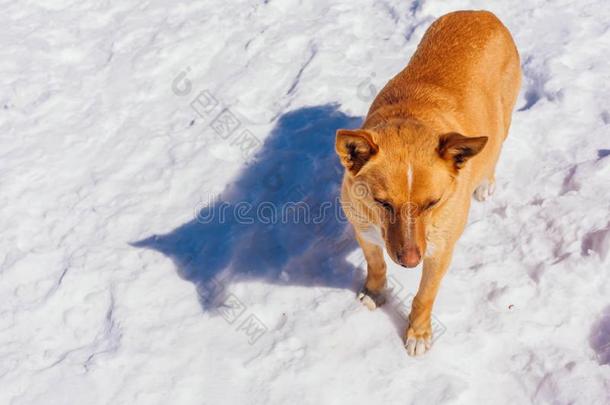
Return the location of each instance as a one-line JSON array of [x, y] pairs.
[[296, 164]]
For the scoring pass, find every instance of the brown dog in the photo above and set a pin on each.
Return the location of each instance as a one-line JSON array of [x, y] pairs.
[[430, 140]]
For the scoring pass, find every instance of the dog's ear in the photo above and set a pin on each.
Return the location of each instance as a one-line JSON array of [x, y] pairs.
[[458, 148], [355, 147]]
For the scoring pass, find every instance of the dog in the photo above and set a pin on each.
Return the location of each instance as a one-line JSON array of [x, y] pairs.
[[430, 141]]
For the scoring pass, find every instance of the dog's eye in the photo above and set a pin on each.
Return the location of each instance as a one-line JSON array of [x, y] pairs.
[[385, 204], [430, 204]]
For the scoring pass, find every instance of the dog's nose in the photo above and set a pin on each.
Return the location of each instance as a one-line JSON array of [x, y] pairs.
[[409, 257]]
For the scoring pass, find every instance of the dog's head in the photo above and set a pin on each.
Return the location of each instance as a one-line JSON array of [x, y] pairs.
[[398, 175]]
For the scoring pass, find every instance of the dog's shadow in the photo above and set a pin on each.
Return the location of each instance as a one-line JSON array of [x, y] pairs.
[[279, 221]]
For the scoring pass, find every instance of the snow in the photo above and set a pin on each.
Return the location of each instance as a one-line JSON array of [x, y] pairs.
[[120, 284]]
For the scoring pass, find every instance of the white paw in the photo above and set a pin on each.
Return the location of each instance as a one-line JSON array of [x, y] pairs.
[[367, 301], [371, 300], [484, 190], [417, 347]]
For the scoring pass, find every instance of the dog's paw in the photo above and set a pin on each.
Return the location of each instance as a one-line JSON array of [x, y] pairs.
[[417, 343], [371, 299], [485, 190]]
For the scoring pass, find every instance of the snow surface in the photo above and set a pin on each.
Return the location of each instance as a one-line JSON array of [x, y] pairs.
[[120, 284]]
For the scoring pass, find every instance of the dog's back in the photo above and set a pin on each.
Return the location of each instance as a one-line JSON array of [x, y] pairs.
[[465, 75]]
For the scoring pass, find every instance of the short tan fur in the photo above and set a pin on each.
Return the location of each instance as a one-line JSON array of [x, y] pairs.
[[430, 141]]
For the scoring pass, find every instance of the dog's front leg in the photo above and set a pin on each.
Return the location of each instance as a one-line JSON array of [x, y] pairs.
[[418, 337], [371, 294]]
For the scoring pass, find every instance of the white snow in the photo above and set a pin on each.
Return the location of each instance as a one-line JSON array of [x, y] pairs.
[[107, 139]]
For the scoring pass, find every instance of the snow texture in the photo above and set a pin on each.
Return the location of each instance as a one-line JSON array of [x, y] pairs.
[[126, 127]]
